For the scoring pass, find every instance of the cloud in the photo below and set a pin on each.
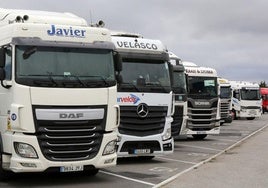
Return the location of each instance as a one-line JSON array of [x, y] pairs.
[[229, 36]]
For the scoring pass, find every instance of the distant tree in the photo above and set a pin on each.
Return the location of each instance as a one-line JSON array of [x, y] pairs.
[[263, 84]]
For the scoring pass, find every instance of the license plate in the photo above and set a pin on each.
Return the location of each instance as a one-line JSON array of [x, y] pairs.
[[252, 112], [142, 151], [71, 168], [201, 132]]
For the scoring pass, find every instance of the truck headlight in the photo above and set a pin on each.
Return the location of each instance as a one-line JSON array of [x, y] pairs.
[[25, 150], [167, 134], [110, 148]]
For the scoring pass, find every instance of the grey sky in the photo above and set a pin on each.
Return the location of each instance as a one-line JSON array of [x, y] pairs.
[[230, 36]]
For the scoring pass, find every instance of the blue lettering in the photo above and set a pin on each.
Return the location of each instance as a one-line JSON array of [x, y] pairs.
[[70, 32]]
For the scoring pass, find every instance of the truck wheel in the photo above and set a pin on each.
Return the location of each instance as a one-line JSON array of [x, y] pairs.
[[199, 136], [250, 118], [146, 157], [234, 115], [92, 172]]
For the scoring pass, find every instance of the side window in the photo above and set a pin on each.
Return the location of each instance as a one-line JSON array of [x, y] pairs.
[[8, 67]]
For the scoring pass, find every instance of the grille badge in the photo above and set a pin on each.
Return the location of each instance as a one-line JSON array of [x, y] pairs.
[[142, 110]]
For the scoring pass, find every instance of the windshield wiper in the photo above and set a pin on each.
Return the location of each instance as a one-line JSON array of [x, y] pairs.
[[156, 86], [27, 53], [126, 85]]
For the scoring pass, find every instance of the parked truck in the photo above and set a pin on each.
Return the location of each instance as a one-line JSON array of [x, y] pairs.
[[178, 126], [203, 101], [58, 109], [264, 96], [144, 96], [225, 101], [246, 100]]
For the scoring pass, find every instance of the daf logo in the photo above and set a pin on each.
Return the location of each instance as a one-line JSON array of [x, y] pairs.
[[71, 115], [142, 110]]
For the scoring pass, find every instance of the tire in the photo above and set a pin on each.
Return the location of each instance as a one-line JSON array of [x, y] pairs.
[[92, 172], [234, 115], [146, 157], [250, 118], [199, 136]]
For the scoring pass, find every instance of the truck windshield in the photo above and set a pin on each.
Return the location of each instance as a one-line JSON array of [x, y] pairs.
[[248, 94], [225, 92], [179, 82], [64, 67], [203, 87], [145, 76]]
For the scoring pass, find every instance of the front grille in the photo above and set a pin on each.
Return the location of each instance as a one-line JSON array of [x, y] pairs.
[[224, 110], [68, 140], [132, 124], [177, 121], [202, 117]]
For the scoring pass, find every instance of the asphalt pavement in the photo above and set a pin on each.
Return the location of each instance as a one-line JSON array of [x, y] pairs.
[[244, 166]]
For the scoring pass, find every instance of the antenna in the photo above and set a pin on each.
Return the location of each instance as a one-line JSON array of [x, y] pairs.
[[90, 15]]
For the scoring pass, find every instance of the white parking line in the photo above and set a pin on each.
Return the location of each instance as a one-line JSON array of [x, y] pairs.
[[127, 178], [198, 147], [168, 159], [209, 159], [226, 140]]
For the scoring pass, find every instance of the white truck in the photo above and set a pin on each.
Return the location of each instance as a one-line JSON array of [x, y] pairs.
[[179, 85], [203, 101], [225, 101], [246, 100], [144, 96], [58, 109]]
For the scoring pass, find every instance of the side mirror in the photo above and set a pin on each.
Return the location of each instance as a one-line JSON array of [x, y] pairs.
[[119, 79], [117, 62], [2, 57], [171, 70]]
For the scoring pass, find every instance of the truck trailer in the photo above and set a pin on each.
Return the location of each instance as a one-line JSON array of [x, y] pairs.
[[58, 109]]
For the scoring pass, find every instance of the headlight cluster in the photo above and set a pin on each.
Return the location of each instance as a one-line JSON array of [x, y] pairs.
[[25, 150], [167, 134]]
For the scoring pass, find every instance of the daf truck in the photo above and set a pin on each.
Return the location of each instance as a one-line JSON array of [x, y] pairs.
[[179, 85], [203, 101], [225, 101], [246, 100], [144, 96], [58, 109]]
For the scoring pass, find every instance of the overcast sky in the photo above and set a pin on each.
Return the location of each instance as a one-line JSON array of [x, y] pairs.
[[228, 35]]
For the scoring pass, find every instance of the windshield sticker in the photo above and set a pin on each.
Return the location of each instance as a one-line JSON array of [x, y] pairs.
[[209, 82]]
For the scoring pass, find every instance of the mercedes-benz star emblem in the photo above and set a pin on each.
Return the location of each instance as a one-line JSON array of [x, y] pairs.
[[142, 110]]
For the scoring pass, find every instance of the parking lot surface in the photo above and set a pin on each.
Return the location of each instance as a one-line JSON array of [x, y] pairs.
[[190, 156]]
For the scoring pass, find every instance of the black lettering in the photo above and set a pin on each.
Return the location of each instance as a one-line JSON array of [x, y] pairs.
[[120, 44]]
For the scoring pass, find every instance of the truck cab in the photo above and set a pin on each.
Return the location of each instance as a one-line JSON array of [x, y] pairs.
[[144, 96], [179, 86], [58, 109], [225, 101], [246, 100], [264, 96], [203, 101]]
